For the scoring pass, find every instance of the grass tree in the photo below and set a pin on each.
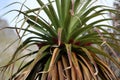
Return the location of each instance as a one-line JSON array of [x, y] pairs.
[[70, 38]]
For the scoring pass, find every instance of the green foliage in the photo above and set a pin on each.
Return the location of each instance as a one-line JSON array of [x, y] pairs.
[[70, 43]]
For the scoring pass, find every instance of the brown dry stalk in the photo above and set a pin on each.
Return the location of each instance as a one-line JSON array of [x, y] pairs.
[[55, 53], [72, 10]]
